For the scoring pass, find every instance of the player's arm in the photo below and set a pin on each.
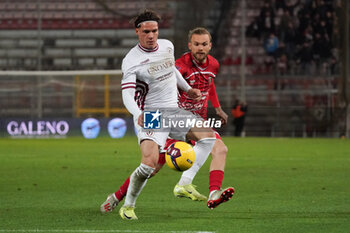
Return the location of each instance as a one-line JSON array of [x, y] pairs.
[[128, 94], [213, 97], [183, 85]]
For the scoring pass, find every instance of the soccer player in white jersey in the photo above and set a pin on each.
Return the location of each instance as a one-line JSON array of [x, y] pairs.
[[150, 81], [199, 70]]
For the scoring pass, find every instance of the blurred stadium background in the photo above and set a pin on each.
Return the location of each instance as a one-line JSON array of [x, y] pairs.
[[62, 59]]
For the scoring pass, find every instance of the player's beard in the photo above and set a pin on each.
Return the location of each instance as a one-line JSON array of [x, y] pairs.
[[200, 56]]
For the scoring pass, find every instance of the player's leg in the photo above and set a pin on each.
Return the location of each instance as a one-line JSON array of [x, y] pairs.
[[217, 165], [216, 175], [239, 126], [186, 189], [113, 199], [218, 154], [138, 179], [205, 140]]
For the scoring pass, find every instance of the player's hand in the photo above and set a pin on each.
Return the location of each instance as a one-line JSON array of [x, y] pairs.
[[140, 120], [194, 94], [223, 116]]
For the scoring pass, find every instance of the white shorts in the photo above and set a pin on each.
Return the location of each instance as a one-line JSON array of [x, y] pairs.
[[169, 127]]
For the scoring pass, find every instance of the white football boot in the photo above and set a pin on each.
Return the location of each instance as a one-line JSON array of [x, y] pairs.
[[219, 196], [110, 203]]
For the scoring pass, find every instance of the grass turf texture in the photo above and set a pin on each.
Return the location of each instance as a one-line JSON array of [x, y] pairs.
[[282, 185]]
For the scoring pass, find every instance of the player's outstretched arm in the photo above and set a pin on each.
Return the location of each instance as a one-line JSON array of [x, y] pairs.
[[181, 82], [222, 115], [213, 97]]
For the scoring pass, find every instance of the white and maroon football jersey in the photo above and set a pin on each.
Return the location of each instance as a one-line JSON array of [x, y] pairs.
[[151, 72]]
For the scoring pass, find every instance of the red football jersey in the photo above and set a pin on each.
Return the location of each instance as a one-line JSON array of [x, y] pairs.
[[200, 76]]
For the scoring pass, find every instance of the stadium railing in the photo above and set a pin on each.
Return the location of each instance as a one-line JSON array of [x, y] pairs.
[[60, 93]]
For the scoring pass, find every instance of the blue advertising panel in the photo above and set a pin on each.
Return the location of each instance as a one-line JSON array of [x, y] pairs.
[[117, 127], [90, 128]]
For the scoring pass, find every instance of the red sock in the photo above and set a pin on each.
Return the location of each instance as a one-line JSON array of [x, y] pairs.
[[215, 180], [161, 159], [120, 194]]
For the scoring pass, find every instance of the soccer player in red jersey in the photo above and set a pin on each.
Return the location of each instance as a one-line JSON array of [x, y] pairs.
[[199, 70]]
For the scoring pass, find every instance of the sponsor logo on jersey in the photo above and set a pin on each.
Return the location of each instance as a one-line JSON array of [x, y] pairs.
[[159, 67]]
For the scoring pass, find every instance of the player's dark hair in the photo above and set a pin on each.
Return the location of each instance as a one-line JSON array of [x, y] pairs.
[[146, 15], [198, 31]]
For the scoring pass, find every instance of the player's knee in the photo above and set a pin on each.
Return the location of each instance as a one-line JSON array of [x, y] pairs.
[[220, 151], [223, 150], [149, 151], [149, 159]]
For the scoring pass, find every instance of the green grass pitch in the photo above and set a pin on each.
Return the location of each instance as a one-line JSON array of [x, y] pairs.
[[282, 185]]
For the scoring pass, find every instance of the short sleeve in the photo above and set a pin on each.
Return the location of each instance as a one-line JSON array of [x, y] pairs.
[[129, 76]]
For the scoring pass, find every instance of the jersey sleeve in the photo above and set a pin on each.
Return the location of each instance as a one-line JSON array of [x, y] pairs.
[[180, 67], [128, 86], [129, 74], [129, 77], [181, 82], [213, 97]]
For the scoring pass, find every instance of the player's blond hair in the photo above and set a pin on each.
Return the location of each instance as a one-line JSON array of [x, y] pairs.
[[198, 31]]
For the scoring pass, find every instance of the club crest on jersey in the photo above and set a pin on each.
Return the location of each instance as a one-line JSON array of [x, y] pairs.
[[150, 133], [152, 119]]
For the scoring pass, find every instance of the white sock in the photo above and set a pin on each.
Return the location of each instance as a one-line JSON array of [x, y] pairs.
[[211, 193], [138, 180], [202, 150]]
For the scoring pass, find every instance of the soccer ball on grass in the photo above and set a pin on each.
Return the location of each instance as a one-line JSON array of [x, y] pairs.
[[180, 156]]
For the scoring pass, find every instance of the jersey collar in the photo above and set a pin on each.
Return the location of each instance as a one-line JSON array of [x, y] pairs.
[[148, 50], [200, 66]]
